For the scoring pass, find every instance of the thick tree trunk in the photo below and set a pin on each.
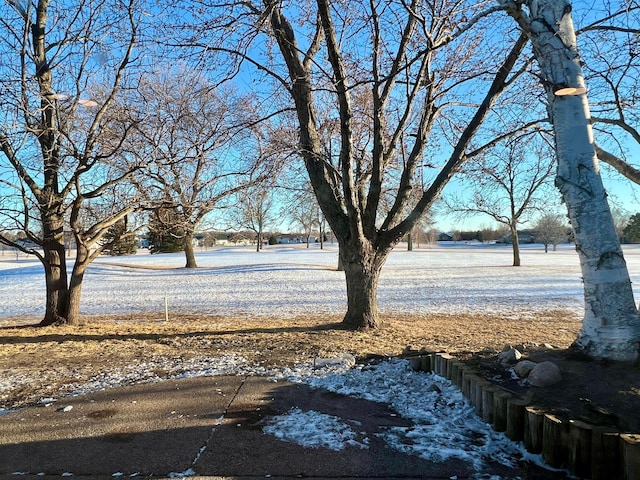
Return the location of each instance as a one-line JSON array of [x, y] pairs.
[[57, 299], [55, 270], [75, 284], [611, 325], [515, 245], [189, 251], [362, 269]]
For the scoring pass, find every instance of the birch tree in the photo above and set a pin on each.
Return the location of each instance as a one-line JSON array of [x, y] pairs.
[[611, 325], [63, 64]]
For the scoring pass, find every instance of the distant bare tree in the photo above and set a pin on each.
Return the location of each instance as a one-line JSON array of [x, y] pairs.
[[551, 230], [508, 184], [255, 211]]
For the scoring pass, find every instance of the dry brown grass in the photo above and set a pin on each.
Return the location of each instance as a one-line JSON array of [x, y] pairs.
[[49, 358]]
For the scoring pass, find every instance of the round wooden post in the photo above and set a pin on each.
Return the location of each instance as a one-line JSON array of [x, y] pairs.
[[630, 450], [442, 364], [416, 363], [481, 385], [605, 454], [450, 361], [459, 374], [533, 420], [466, 381], [435, 366], [454, 369], [500, 400], [487, 402], [432, 362], [426, 365], [515, 419], [554, 441], [579, 449], [474, 381]]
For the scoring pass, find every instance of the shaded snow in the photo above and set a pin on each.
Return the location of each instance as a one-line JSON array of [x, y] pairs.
[[444, 423], [314, 429]]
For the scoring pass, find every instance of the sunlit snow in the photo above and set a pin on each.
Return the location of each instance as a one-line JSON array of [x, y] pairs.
[[289, 281]]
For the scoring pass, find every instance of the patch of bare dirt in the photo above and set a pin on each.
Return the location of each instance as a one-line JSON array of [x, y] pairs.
[[600, 393], [38, 362]]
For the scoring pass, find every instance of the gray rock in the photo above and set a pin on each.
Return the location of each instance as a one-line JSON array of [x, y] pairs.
[[524, 367], [544, 374], [510, 356]]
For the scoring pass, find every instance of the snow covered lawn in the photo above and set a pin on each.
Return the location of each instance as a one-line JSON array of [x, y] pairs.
[[289, 281]]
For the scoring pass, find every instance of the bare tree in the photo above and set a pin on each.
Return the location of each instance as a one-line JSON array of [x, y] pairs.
[[611, 326], [198, 147], [254, 211], [508, 184], [299, 204], [62, 70], [423, 86], [304, 213], [551, 230]]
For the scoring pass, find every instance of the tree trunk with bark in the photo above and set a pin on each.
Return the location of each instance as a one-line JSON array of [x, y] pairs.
[[611, 325], [57, 296], [189, 251], [259, 241], [55, 269], [75, 284], [515, 245], [362, 267]]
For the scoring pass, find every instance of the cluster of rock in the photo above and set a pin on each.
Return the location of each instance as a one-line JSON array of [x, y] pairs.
[[541, 374]]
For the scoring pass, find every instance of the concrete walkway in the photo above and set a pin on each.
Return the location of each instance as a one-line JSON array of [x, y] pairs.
[[207, 427]]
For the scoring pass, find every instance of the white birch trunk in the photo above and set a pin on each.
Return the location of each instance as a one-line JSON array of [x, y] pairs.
[[611, 325]]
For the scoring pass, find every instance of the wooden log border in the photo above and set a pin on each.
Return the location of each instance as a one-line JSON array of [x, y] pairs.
[[587, 451]]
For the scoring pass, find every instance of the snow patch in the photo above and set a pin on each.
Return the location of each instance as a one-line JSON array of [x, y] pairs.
[[314, 430], [444, 426]]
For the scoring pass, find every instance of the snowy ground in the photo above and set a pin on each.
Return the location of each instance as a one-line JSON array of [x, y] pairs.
[[445, 425], [290, 281]]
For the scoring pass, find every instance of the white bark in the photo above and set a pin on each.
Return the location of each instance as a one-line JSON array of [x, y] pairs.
[[611, 325]]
